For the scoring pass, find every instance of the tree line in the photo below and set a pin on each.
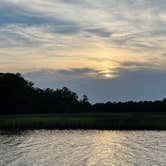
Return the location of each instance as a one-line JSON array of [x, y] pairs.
[[19, 96]]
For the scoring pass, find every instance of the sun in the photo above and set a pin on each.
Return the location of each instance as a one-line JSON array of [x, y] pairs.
[[107, 75]]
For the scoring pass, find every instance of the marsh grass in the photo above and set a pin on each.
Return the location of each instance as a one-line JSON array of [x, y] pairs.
[[122, 121]]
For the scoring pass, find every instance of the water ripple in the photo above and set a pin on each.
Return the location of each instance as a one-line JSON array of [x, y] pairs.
[[83, 148]]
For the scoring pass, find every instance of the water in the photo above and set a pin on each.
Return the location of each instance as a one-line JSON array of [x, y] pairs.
[[83, 148]]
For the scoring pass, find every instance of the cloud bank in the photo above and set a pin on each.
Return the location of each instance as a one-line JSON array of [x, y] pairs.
[[102, 46]]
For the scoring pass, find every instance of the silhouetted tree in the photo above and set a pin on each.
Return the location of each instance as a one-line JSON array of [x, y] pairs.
[[19, 96]]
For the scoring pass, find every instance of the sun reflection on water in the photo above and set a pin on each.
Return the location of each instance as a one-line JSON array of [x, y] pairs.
[[105, 147]]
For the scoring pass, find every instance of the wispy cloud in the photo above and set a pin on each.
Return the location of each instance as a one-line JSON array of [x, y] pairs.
[[143, 22], [88, 39], [101, 32]]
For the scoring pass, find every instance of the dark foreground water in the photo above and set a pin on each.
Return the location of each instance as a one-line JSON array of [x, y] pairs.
[[79, 148]]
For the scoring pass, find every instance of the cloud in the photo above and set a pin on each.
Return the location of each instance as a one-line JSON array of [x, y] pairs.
[[101, 32], [76, 2], [124, 38], [19, 15], [66, 74], [143, 22], [22, 15], [78, 71], [26, 27]]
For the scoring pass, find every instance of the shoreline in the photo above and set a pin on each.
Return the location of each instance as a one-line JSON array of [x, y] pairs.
[[92, 121]]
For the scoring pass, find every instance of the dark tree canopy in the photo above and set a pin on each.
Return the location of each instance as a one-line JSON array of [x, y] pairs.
[[19, 96]]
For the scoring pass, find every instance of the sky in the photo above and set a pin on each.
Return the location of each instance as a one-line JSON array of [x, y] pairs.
[[110, 50]]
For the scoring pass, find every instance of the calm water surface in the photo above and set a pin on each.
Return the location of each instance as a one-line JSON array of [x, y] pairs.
[[81, 148]]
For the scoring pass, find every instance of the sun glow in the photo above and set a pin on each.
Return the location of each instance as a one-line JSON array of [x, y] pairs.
[[107, 75]]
